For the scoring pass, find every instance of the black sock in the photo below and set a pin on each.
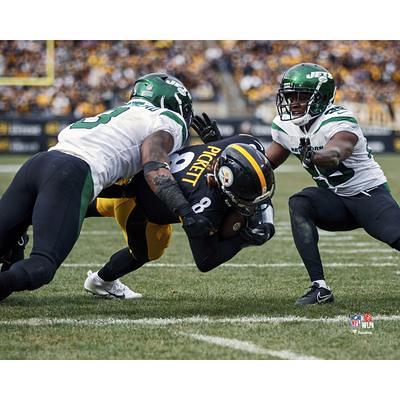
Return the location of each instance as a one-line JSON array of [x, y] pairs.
[[305, 235], [120, 264]]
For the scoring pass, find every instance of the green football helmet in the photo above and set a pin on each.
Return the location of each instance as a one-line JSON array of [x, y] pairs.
[[165, 91], [305, 92]]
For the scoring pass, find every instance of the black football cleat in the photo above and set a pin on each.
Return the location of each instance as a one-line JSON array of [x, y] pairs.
[[316, 295]]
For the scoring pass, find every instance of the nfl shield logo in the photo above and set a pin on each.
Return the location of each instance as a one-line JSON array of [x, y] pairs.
[[361, 323], [355, 320]]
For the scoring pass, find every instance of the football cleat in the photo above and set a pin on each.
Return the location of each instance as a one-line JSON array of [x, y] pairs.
[[316, 295], [109, 290]]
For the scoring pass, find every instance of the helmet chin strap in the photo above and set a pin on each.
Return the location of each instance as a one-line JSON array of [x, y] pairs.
[[304, 120]]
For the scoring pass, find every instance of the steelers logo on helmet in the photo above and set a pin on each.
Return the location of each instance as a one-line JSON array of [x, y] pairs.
[[245, 176], [225, 176]]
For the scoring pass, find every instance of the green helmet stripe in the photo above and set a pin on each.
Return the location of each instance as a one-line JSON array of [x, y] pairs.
[[278, 128], [178, 120], [336, 119]]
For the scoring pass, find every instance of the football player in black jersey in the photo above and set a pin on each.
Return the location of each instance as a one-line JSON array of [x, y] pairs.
[[215, 177]]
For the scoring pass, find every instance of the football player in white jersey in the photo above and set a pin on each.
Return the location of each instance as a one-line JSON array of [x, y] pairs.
[[52, 190], [352, 190]]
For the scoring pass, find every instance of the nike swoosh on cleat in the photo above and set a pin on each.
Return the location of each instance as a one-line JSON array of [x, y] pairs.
[[114, 295], [322, 299]]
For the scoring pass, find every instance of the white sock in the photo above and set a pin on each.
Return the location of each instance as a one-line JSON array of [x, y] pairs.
[[322, 284]]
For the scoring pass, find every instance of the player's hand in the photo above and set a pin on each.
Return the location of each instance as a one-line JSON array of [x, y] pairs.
[[259, 226], [195, 225], [259, 235], [306, 152], [206, 129]]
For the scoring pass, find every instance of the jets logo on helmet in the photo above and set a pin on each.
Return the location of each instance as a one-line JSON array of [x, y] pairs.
[[181, 89], [305, 92], [321, 75], [245, 176], [165, 91]]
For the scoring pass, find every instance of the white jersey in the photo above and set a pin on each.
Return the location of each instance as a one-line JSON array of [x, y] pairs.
[[355, 174], [110, 142]]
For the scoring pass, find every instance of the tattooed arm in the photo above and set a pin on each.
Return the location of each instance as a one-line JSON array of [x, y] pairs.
[[154, 154]]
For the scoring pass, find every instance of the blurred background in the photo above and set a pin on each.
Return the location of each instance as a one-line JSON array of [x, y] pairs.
[[46, 85]]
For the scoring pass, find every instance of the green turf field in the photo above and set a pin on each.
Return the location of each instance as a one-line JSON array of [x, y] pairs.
[[242, 310]]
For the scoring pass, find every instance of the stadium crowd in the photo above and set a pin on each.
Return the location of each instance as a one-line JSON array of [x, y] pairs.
[[92, 76], [364, 71]]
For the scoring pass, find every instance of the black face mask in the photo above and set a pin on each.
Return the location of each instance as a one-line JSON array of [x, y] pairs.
[[187, 115]]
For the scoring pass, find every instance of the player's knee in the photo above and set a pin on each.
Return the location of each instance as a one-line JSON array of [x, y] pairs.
[[205, 266], [158, 239], [396, 245], [34, 272], [299, 205]]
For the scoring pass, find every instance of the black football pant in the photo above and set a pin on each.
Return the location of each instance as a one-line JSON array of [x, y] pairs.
[[375, 210], [51, 191]]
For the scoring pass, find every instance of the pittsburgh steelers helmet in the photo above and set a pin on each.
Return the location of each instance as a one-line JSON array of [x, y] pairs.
[[165, 91], [305, 92], [245, 176]]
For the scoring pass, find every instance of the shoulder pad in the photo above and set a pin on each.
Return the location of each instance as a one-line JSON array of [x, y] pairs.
[[337, 111]]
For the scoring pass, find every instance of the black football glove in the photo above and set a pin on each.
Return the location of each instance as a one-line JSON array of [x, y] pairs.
[[306, 152], [195, 225], [259, 226], [259, 235], [206, 129]]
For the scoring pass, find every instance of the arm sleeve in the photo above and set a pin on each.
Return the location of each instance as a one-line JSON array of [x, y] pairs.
[[174, 124], [210, 252]]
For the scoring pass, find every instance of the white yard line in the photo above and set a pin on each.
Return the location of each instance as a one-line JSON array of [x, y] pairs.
[[252, 319], [279, 236], [237, 265], [359, 251], [328, 243], [9, 168], [247, 347]]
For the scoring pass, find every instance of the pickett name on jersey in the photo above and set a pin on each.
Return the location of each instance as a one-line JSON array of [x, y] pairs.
[[201, 163]]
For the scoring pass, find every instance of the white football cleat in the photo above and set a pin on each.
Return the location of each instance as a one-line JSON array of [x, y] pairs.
[[110, 290]]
